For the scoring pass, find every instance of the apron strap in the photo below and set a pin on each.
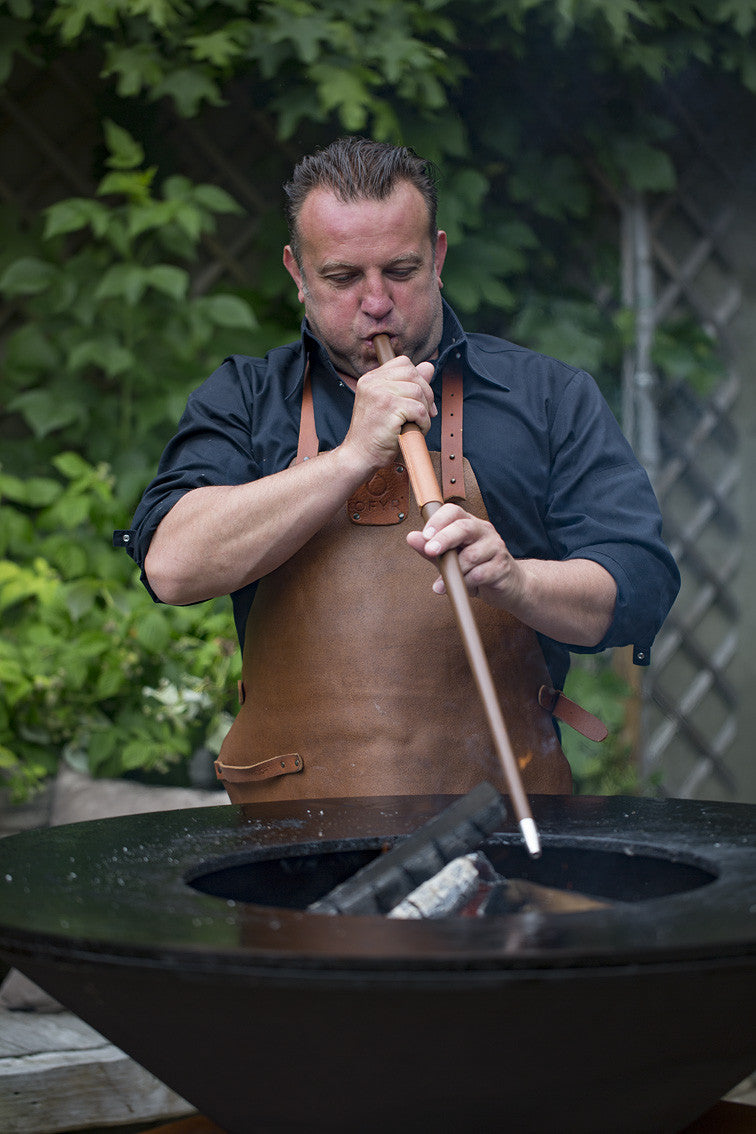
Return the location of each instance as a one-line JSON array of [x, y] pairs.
[[308, 438], [452, 394]]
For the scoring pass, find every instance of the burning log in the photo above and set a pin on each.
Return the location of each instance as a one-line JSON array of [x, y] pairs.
[[470, 886], [381, 885], [445, 893]]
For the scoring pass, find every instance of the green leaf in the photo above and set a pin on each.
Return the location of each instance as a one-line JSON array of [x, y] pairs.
[[44, 411], [123, 281], [169, 280], [7, 758], [72, 466], [125, 151], [188, 89], [105, 353], [68, 558], [133, 184], [223, 46], [32, 349], [136, 66], [28, 276], [71, 16], [303, 31], [150, 214], [229, 311], [34, 491], [109, 683], [20, 9], [215, 199], [161, 13], [345, 90], [74, 214], [79, 598], [740, 13], [647, 168], [190, 219], [153, 631]]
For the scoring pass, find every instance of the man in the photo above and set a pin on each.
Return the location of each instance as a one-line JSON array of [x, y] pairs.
[[285, 488]]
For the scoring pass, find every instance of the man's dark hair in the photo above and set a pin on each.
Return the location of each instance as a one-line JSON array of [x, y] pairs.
[[358, 169]]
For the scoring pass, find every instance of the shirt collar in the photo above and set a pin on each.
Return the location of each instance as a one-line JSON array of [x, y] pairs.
[[455, 339]]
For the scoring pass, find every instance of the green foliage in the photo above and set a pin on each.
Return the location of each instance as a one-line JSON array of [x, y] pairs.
[[605, 768], [90, 667], [112, 340], [684, 351], [110, 343]]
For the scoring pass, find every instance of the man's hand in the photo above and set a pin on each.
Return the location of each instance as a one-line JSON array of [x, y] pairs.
[[488, 569], [571, 601], [386, 399]]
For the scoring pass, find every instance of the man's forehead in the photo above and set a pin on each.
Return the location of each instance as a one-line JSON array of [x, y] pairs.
[[327, 219]]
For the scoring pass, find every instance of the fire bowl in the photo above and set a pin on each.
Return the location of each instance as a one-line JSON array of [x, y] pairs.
[[184, 938]]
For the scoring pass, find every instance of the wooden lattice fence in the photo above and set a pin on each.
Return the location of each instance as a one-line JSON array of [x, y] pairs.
[[676, 264]]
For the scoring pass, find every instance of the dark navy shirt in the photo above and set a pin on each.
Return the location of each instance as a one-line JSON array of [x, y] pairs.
[[558, 478]]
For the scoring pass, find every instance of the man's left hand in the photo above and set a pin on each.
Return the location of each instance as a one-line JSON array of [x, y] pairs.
[[488, 569], [571, 601]]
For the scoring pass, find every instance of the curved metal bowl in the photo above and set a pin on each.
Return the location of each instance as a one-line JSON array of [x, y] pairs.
[[183, 937]]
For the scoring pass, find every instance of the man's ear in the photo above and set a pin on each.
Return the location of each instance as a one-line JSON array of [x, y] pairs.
[[292, 267], [440, 255]]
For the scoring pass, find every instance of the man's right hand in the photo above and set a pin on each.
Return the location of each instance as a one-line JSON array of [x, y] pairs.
[[385, 400]]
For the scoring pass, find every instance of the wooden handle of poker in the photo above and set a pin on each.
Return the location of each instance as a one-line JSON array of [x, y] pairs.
[[429, 498]]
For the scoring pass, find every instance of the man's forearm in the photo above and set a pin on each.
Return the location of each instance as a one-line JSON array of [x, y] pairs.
[[571, 601], [217, 539]]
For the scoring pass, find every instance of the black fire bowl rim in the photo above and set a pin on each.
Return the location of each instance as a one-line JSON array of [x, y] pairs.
[[116, 891]]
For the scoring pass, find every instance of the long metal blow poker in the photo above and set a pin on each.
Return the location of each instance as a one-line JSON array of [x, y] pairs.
[[429, 498]]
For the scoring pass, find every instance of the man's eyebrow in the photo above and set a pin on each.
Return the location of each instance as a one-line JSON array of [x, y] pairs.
[[408, 258]]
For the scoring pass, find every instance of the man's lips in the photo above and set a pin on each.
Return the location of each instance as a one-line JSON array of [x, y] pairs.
[[369, 339]]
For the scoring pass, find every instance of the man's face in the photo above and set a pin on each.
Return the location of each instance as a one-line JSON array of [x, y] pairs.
[[367, 268]]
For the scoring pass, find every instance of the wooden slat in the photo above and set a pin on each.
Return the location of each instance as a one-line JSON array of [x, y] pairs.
[[57, 1073]]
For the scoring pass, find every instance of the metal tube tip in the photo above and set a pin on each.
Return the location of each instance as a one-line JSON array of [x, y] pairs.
[[530, 835]]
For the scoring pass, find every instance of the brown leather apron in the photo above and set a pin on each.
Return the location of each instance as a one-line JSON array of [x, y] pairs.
[[354, 678]]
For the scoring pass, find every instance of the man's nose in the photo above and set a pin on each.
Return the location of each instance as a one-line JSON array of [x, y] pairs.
[[376, 298]]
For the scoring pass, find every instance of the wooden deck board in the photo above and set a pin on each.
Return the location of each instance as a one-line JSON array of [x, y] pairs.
[[57, 1073]]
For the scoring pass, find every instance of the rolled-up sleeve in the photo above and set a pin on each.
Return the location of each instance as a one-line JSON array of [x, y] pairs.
[[602, 507], [212, 446]]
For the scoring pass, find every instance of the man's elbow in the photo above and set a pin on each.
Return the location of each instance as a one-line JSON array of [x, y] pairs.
[[167, 582]]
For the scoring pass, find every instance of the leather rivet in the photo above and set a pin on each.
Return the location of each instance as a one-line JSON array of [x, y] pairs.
[[454, 480], [451, 456], [283, 763], [297, 762], [401, 515], [400, 469], [355, 515]]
